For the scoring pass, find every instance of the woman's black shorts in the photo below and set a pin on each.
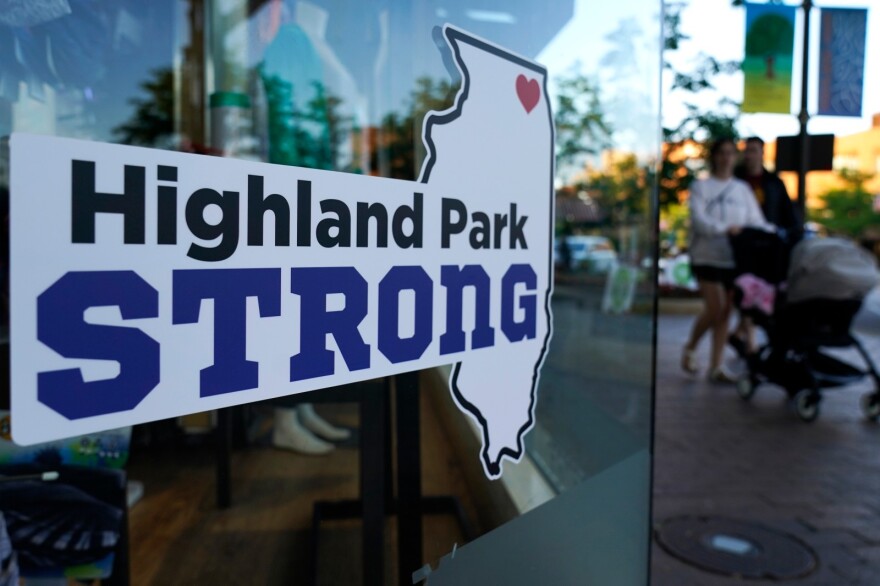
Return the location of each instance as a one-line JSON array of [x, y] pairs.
[[712, 274]]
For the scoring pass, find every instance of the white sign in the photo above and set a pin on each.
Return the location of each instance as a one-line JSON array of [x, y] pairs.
[[148, 284]]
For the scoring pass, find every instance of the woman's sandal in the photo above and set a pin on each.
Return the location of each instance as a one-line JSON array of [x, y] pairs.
[[689, 361], [719, 375]]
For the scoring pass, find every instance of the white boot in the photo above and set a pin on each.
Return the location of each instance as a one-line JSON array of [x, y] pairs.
[[289, 434], [314, 423]]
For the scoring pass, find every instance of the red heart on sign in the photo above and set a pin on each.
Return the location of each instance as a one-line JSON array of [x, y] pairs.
[[528, 91]]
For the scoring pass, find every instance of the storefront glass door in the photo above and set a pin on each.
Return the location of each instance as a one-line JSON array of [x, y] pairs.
[[346, 87]]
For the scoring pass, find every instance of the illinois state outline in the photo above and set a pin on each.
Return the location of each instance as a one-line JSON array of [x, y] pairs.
[[495, 146]]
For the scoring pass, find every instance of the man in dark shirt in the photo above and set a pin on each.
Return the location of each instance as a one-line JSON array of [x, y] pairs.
[[770, 192], [778, 209]]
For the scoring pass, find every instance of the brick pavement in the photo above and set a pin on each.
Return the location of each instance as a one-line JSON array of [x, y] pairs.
[[718, 455]]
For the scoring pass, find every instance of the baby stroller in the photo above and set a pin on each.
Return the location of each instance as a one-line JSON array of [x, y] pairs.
[[827, 281]]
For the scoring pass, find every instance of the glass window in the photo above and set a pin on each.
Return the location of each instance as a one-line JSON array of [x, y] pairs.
[[108, 71], [345, 87]]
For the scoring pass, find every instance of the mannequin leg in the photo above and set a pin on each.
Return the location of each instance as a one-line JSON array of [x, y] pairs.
[[320, 427], [291, 434]]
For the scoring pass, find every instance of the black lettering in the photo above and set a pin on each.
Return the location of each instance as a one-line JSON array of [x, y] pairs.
[[166, 228], [226, 229], [166, 173], [257, 208], [341, 224], [414, 214], [303, 213], [166, 221], [86, 202], [380, 214], [500, 225], [516, 229], [447, 226], [481, 236]]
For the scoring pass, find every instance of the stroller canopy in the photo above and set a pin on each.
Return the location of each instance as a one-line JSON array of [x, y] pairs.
[[831, 268]]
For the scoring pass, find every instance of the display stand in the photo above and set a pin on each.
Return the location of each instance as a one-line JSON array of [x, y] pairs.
[[377, 477]]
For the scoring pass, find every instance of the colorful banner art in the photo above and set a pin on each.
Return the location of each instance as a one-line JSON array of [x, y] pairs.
[[768, 61], [842, 61]]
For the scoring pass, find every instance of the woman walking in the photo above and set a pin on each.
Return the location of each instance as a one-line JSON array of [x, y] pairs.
[[720, 206]]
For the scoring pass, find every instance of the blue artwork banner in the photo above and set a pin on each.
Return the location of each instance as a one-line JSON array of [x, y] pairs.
[[842, 61]]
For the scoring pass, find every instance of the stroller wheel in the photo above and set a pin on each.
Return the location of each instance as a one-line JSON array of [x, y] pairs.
[[806, 403], [871, 406], [746, 387]]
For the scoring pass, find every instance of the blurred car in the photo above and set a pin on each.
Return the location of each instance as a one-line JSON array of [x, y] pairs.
[[595, 254]]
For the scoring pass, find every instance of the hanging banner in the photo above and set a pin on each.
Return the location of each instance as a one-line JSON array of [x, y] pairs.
[[148, 284], [842, 61], [767, 65]]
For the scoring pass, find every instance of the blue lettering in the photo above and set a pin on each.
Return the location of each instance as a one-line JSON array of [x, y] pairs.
[[313, 285], [455, 279], [61, 327], [514, 330], [398, 279], [229, 288]]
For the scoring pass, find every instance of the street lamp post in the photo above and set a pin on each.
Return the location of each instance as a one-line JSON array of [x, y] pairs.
[[804, 116]]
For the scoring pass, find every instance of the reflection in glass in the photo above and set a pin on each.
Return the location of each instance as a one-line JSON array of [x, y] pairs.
[[72, 71], [345, 86]]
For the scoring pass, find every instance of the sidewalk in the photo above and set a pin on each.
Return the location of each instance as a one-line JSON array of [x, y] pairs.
[[718, 455]]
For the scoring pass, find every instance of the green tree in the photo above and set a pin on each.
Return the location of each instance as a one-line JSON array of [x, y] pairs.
[[323, 112], [311, 137], [401, 152], [623, 190], [677, 172], [699, 125], [770, 34], [674, 227], [581, 128], [848, 211], [153, 117]]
